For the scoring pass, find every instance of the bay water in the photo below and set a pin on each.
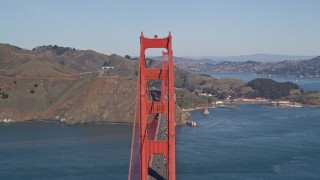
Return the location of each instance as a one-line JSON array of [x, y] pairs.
[[254, 142]]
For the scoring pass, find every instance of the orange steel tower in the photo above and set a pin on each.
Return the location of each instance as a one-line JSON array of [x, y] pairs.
[[153, 140]]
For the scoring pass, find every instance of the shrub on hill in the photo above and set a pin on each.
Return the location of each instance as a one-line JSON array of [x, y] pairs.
[[4, 95], [203, 82], [57, 49], [127, 57]]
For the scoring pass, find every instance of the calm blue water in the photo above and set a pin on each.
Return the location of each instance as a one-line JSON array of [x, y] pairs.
[[307, 83], [40, 150], [253, 142]]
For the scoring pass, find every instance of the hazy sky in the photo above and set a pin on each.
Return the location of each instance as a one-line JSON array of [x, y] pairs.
[[198, 27]]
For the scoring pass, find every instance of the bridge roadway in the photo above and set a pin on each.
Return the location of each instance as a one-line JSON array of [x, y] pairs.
[[157, 166]]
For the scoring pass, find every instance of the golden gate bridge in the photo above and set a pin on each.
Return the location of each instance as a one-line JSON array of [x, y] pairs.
[[153, 137]]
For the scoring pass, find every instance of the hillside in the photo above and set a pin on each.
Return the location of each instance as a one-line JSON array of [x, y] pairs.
[[52, 82], [297, 68], [271, 89], [257, 57], [16, 61], [307, 68]]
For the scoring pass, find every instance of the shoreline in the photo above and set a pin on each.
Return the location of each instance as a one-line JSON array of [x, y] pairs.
[[10, 121], [234, 107], [231, 106], [212, 107]]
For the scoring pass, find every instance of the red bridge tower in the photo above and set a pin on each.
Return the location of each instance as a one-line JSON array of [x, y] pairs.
[[153, 140]]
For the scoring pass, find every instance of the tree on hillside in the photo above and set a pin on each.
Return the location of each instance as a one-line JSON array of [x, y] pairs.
[[203, 82], [127, 57], [269, 88], [4, 95], [57, 49], [106, 63]]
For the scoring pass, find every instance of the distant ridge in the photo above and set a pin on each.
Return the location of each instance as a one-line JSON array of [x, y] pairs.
[[254, 57]]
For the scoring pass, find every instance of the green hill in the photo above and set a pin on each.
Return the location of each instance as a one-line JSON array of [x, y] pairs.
[[271, 89]]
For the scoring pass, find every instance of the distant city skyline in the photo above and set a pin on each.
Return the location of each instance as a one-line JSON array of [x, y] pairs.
[[199, 28]]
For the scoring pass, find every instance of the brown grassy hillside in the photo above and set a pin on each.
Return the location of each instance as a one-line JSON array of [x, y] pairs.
[[107, 99], [52, 82]]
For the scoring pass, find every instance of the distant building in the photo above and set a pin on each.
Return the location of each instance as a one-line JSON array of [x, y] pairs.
[[257, 99], [107, 67], [205, 94], [283, 102], [238, 99], [219, 102]]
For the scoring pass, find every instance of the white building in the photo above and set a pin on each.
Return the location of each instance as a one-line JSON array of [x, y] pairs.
[[107, 67]]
